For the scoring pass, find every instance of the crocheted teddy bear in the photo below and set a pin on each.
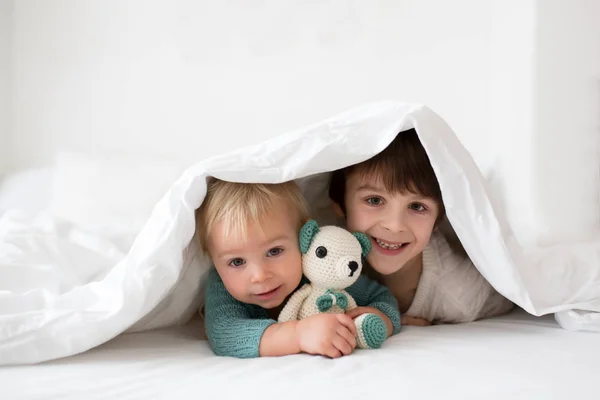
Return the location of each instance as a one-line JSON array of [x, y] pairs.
[[332, 261]]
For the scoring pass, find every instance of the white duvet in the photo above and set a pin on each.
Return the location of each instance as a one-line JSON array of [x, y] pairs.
[[64, 291]]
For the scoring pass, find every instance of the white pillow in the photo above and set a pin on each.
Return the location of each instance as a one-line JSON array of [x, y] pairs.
[[111, 195]]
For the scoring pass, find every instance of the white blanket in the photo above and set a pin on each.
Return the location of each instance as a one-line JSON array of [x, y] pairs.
[[63, 291]]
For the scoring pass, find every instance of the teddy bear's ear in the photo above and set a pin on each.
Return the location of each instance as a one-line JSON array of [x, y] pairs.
[[364, 241], [307, 233]]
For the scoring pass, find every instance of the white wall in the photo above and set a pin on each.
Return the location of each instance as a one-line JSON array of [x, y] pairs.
[[189, 79], [567, 93], [194, 78], [512, 66], [544, 102], [5, 80]]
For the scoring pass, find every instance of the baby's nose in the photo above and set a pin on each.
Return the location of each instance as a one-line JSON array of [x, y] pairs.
[[353, 265]]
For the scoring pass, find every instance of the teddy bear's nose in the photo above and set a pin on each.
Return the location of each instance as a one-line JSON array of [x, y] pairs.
[[353, 265]]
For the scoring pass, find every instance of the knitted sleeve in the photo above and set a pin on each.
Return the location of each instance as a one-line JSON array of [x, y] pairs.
[[233, 329], [369, 293]]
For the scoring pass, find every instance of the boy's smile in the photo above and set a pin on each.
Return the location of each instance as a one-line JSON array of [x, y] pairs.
[[388, 247]]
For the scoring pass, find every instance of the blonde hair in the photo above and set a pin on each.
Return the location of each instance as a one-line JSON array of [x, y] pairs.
[[237, 204]]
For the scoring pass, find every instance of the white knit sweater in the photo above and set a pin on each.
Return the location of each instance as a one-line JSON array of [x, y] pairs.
[[451, 289]]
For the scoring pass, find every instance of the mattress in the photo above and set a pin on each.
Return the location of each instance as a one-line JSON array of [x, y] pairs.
[[516, 356]]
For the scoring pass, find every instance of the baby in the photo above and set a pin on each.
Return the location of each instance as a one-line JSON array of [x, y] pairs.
[[250, 232]]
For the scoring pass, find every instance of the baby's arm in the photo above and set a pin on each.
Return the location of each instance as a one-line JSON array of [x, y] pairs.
[[233, 331], [369, 293]]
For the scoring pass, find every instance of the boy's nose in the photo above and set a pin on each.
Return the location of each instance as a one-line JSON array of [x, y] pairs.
[[394, 223]]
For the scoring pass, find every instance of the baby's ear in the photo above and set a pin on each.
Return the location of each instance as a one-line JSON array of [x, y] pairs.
[[307, 233], [365, 242]]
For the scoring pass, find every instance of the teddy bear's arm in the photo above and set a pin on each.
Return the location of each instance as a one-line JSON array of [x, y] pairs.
[[351, 302], [292, 307]]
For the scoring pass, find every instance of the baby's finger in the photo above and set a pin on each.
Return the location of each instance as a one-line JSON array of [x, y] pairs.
[[347, 322], [342, 345], [355, 312], [332, 352], [348, 336]]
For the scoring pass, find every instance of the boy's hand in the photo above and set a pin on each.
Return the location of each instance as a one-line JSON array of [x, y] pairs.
[[331, 335], [415, 321], [355, 312]]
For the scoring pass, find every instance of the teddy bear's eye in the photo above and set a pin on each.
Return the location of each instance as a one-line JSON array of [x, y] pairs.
[[321, 252]]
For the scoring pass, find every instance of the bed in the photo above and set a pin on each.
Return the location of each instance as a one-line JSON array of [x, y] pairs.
[[119, 328], [516, 356]]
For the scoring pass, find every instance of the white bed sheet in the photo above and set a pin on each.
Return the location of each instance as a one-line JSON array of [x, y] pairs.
[[516, 356]]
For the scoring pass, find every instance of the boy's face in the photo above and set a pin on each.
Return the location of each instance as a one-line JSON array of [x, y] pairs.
[[399, 225], [265, 265]]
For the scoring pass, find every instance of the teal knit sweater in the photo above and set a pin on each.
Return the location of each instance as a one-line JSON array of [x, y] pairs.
[[234, 328]]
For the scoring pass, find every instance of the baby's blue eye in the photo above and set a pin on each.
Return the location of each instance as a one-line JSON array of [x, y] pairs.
[[275, 251], [237, 262], [374, 201]]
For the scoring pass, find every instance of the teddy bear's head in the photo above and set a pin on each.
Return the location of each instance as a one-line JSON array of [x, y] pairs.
[[332, 256]]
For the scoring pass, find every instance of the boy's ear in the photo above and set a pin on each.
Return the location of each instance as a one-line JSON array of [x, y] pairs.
[[307, 233], [337, 210]]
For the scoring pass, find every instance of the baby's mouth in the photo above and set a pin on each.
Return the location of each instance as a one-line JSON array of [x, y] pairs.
[[268, 294]]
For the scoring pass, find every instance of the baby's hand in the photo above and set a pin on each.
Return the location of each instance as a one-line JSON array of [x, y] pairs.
[[415, 321], [355, 312], [331, 335]]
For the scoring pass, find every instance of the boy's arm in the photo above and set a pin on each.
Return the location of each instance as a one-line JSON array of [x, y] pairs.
[[479, 299], [233, 331], [369, 293]]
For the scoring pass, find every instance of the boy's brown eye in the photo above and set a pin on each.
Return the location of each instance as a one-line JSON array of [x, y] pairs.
[[417, 207], [374, 201]]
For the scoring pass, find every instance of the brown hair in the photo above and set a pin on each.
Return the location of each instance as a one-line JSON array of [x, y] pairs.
[[403, 167], [239, 203]]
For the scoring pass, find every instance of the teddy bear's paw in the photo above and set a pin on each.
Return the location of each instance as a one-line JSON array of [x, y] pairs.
[[371, 331]]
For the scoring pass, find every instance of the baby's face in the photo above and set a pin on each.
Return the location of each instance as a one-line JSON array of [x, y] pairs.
[[265, 265], [399, 225]]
